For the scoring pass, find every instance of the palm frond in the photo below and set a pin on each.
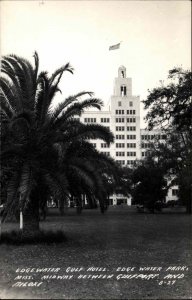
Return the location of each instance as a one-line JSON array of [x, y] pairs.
[[9, 92], [36, 58], [88, 131], [42, 97], [21, 73], [69, 100], [59, 72]]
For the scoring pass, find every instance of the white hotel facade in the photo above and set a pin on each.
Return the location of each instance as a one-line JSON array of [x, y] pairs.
[[123, 119]]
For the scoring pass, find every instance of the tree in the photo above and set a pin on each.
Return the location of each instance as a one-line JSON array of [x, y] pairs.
[[150, 185], [171, 105], [87, 171], [36, 138], [170, 108]]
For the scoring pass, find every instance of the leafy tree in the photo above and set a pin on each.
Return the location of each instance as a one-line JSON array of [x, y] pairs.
[[170, 108], [150, 185], [37, 139], [124, 184], [171, 105]]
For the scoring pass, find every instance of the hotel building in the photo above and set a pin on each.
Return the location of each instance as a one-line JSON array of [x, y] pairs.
[[123, 119]]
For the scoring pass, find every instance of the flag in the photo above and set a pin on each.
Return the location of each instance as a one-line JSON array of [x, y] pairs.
[[114, 47]]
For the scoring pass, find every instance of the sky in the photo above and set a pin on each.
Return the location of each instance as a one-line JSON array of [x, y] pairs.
[[155, 36]]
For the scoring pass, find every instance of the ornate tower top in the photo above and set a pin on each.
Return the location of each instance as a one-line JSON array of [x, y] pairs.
[[122, 84], [122, 72]]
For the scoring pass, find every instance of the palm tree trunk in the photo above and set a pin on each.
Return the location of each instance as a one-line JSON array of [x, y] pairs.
[[31, 216], [189, 205]]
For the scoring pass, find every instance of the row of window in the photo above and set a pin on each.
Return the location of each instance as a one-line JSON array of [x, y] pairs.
[[120, 136], [120, 120], [119, 153], [122, 128], [131, 145], [105, 120], [118, 145], [151, 137], [146, 145], [104, 145], [121, 111], [129, 120], [90, 120], [122, 145], [131, 136], [131, 128]]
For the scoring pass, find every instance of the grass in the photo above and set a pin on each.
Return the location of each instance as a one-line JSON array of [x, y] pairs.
[[15, 237], [120, 238]]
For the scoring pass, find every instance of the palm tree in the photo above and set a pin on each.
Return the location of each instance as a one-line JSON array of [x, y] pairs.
[[37, 138]]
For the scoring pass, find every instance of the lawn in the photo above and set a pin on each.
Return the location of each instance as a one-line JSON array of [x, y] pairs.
[[121, 238]]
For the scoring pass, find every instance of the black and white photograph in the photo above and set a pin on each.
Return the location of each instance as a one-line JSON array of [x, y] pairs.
[[96, 149]]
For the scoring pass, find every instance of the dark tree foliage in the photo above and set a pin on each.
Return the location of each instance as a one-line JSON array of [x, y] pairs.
[[150, 185], [171, 105], [170, 108]]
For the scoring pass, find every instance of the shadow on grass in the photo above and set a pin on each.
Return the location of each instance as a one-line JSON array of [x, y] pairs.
[[42, 237]]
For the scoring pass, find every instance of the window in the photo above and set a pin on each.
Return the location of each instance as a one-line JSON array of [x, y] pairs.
[[119, 112], [119, 128], [131, 103], [131, 145], [131, 153], [120, 137], [119, 103], [123, 90], [94, 145], [131, 120], [131, 128], [104, 145], [90, 120], [131, 136], [120, 145], [104, 120], [122, 74], [143, 154], [119, 120], [120, 153]]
